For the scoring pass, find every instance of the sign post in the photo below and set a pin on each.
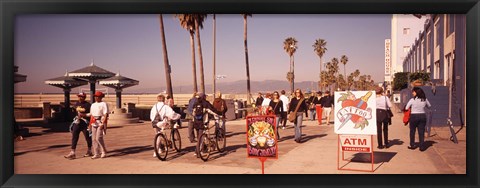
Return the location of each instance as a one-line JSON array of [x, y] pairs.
[[262, 138], [355, 124]]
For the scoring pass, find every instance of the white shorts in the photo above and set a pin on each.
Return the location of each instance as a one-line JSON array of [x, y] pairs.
[[327, 110]]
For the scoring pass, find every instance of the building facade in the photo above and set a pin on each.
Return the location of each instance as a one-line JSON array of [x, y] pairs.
[[405, 28], [440, 50]]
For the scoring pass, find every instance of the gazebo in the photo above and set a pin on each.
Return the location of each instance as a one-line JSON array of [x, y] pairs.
[[18, 77], [66, 82], [118, 83], [91, 74]]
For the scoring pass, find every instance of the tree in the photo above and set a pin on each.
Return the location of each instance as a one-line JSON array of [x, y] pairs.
[[344, 60], [187, 21], [320, 48], [335, 69], [400, 81], [168, 71], [199, 19], [249, 94], [290, 46]]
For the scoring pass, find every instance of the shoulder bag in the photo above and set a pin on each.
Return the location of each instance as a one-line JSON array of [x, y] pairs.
[[293, 115], [157, 117]]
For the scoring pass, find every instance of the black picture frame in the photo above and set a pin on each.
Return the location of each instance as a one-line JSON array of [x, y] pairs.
[[10, 8]]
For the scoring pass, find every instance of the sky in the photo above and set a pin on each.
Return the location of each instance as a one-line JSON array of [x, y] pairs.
[[46, 46]]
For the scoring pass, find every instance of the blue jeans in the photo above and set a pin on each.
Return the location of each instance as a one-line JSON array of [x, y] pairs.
[[277, 125], [417, 121], [298, 126], [312, 114]]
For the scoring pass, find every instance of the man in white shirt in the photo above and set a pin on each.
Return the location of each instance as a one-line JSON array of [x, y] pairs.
[[285, 101], [98, 122], [266, 103], [165, 114]]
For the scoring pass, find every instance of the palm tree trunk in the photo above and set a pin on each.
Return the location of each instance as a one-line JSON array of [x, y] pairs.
[[214, 55], [202, 77], [194, 66], [345, 75], [291, 80], [246, 59], [293, 73], [168, 70], [321, 86]]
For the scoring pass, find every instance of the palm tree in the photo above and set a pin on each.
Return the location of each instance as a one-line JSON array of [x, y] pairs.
[[246, 56], [187, 21], [344, 60], [165, 59], [320, 49], [199, 19], [335, 71], [214, 50], [290, 46]]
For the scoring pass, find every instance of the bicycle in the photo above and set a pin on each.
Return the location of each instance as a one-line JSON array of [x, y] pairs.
[[208, 143], [162, 144]]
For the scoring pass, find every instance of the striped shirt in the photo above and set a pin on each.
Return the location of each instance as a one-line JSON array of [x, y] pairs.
[[418, 106]]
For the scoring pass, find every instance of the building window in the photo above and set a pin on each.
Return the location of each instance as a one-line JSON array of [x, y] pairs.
[[406, 31], [406, 49], [429, 42], [436, 71], [438, 34], [450, 24]]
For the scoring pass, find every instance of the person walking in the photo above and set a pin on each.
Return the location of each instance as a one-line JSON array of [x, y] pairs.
[[318, 106], [191, 131], [99, 116], [160, 114], [311, 106], [418, 118], [327, 105], [285, 102], [80, 124], [221, 106], [266, 103], [298, 102], [276, 106], [382, 104], [258, 102]]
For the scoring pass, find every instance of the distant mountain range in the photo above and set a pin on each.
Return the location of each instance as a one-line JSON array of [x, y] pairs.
[[237, 87]]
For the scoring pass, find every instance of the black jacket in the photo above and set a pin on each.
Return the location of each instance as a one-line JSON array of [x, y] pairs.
[[293, 105]]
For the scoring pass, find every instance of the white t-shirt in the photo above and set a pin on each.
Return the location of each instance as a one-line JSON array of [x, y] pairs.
[[99, 109], [266, 102], [163, 111], [382, 101], [284, 101]]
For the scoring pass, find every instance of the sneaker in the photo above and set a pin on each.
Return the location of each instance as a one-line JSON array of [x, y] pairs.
[[96, 157], [104, 155], [88, 154], [283, 128], [70, 156], [412, 147], [154, 154]]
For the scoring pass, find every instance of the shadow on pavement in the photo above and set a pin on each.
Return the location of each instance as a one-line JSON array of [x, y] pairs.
[[395, 142], [49, 147], [428, 144], [309, 137], [130, 150], [379, 157], [234, 134], [228, 150]]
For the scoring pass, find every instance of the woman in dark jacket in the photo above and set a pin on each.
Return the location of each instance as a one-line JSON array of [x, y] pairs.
[[299, 99], [276, 106]]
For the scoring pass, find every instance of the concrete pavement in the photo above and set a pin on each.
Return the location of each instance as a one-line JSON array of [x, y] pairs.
[[130, 152]]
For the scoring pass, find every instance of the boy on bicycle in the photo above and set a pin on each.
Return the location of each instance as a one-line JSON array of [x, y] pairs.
[[201, 111], [160, 114]]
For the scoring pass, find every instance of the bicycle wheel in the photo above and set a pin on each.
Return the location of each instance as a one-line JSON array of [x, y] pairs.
[[221, 140], [203, 147], [161, 146], [176, 139]]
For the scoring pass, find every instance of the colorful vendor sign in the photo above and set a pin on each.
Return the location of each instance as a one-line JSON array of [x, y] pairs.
[[261, 139]]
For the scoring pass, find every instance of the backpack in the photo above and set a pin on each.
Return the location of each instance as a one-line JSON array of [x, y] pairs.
[[199, 113]]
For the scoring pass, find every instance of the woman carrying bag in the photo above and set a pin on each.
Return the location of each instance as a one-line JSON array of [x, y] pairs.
[[383, 117], [276, 107], [418, 117], [298, 106]]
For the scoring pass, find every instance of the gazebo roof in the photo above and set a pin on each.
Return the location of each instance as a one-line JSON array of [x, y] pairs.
[[119, 82], [92, 72], [65, 81], [19, 78]]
